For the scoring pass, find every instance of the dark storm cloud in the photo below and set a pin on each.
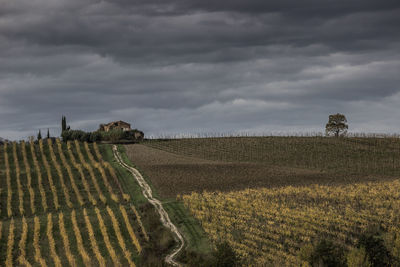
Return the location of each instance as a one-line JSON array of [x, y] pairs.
[[306, 8], [191, 65]]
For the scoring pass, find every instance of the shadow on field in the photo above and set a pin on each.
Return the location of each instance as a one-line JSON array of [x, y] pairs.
[[173, 174]]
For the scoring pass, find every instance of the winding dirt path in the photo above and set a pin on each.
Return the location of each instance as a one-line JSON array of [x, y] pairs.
[[164, 218]]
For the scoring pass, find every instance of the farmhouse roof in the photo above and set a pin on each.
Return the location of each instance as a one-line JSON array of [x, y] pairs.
[[118, 122]]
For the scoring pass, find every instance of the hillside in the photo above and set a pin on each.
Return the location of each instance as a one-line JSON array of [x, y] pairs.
[[271, 197], [173, 174], [226, 164], [268, 197], [350, 157], [70, 204]]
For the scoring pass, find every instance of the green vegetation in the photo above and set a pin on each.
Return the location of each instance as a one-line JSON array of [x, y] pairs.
[[128, 183], [337, 125], [98, 136], [63, 124], [115, 135], [323, 253], [198, 250]]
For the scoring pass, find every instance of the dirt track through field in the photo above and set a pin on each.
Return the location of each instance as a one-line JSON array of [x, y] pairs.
[[164, 218]]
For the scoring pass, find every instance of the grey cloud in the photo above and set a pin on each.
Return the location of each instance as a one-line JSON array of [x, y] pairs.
[[188, 36], [183, 65]]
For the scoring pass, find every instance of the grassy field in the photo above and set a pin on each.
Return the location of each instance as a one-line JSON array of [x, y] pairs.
[[270, 196], [71, 204]]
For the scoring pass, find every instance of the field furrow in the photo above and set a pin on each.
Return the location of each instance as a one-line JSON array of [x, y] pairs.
[[82, 175], [18, 178], [8, 178], [49, 176], [100, 168], [29, 177], [70, 174], [22, 244], [10, 244], [39, 177], [81, 248], [117, 232], [36, 238], [59, 173], [93, 241], [110, 248], [65, 239]]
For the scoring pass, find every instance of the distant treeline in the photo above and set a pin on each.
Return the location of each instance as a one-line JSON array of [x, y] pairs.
[[98, 136]]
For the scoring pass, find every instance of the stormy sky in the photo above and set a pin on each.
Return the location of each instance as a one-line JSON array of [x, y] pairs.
[[199, 66]]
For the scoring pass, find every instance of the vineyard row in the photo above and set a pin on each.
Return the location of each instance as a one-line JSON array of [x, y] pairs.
[[87, 237], [45, 177]]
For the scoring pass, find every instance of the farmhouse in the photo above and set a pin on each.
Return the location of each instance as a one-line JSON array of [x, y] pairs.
[[115, 125]]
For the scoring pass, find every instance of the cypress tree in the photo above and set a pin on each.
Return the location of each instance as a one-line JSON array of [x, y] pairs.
[[48, 133], [63, 124], [39, 136]]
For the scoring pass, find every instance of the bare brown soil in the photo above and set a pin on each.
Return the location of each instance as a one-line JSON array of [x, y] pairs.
[[172, 174]]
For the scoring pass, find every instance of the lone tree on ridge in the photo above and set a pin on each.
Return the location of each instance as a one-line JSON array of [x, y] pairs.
[[337, 125]]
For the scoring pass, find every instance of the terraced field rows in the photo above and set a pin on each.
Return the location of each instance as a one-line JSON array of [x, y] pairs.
[[72, 215]]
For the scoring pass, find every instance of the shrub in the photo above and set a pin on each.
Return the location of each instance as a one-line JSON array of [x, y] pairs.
[[66, 136], [196, 259], [392, 243], [396, 249], [358, 257], [323, 253], [95, 137], [225, 256], [375, 248], [116, 135], [306, 253], [77, 134], [85, 137]]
